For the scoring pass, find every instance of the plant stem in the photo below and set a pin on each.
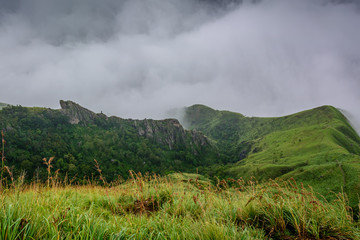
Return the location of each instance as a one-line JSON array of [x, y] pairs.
[[2, 159]]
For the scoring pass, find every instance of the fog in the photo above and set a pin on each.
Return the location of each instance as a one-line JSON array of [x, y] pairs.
[[140, 58]]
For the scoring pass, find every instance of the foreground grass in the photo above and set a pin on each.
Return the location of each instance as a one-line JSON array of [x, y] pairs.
[[180, 206]]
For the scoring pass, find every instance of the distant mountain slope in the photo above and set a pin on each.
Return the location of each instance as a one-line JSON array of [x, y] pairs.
[[317, 146]]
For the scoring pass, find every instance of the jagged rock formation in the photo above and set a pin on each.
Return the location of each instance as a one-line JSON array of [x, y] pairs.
[[77, 114], [167, 132]]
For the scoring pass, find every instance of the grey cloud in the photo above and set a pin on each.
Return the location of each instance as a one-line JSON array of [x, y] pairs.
[[58, 22], [137, 58]]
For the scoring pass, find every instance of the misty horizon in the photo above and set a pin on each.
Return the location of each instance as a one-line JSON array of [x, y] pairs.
[[140, 59]]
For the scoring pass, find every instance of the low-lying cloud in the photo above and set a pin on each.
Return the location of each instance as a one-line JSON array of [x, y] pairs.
[[139, 58]]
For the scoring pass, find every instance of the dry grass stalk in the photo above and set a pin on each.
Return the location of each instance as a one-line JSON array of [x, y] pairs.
[[3, 166], [3, 146], [10, 173], [48, 169], [2, 159], [100, 172]]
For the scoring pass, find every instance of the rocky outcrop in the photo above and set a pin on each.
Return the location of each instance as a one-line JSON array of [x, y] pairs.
[[79, 115], [167, 132]]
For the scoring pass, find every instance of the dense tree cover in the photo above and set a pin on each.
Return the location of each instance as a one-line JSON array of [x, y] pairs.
[[32, 134]]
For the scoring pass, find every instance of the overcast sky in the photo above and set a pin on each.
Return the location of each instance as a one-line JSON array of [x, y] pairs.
[[140, 58]]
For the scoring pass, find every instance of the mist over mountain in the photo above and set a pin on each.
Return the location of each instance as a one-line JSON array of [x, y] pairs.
[[137, 58]]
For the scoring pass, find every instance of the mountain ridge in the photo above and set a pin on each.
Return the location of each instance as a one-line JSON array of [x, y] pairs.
[[148, 128], [318, 147], [76, 136]]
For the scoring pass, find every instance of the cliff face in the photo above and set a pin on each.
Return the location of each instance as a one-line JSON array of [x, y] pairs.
[[167, 132], [77, 114]]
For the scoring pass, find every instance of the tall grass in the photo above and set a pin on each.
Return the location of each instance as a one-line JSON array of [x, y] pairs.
[[179, 206], [4, 168], [2, 159]]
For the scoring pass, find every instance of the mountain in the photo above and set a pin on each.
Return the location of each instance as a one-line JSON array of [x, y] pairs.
[[318, 147], [76, 136]]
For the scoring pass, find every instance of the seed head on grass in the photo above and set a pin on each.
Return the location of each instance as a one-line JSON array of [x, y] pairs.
[[48, 169], [100, 172], [10, 173], [4, 168], [2, 158]]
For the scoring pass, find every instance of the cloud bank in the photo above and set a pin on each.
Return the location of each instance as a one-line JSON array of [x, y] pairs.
[[139, 58]]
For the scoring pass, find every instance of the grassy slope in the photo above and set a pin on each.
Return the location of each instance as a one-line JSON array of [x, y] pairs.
[[317, 147], [176, 207]]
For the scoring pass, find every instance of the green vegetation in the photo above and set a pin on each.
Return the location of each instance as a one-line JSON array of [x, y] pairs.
[[118, 145], [179, 206], [317, 147], [62, 175]]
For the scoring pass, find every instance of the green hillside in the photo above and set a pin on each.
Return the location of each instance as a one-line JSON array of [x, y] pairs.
[[76, 136], [317, 147]]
